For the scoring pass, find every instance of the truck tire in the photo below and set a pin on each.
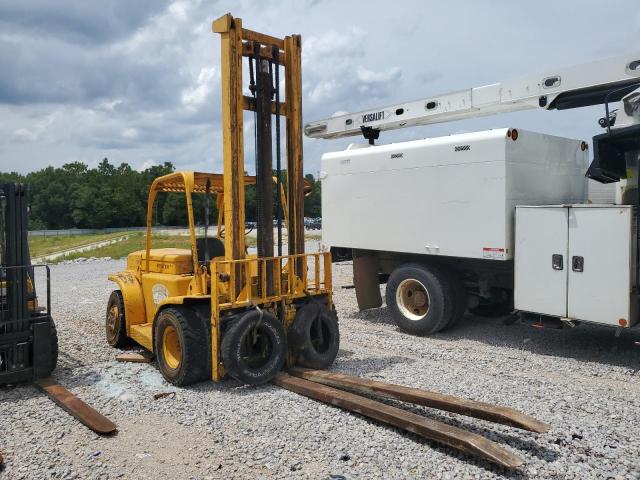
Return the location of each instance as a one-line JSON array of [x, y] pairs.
[[420, 299], [314, 336], [181, 346], [459, 293], [115, 326], [254, 347]]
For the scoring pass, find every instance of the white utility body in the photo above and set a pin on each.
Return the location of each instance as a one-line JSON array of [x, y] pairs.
[[492, 221], [451, 196]]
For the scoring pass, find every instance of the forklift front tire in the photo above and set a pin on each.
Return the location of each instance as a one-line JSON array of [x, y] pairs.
[[181, 346], [254, 347], [314, 336], [115, 326]]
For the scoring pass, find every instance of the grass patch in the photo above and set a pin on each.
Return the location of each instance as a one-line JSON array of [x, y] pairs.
[[40, 246], [136, 241]]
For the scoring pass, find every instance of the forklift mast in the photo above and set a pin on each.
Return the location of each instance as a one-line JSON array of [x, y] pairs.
[[266, 56]]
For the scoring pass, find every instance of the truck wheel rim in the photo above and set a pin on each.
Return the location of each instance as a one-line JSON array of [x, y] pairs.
[[412, 299], [112, 321], [171, 350]]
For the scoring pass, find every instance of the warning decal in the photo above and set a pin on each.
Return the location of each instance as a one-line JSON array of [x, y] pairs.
[[493, 253]]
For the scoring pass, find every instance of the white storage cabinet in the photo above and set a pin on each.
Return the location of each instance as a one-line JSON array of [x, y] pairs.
[[577, 262]]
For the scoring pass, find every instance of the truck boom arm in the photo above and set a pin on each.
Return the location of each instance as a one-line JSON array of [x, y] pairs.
[[593, 83]]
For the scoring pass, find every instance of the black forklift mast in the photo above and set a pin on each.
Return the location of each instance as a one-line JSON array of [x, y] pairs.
[[28, 340]]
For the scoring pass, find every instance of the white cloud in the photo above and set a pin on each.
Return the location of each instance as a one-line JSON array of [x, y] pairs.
[[130, 133], [24, 135], [147, 164], [194, 96], [142, 84]]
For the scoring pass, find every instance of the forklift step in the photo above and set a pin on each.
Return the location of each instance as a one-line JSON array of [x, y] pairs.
[[143, 334]]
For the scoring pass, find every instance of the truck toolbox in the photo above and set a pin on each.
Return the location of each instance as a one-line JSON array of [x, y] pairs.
[[577, 262]]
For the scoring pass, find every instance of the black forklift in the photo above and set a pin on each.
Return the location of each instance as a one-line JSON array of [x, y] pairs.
[[28, 337]]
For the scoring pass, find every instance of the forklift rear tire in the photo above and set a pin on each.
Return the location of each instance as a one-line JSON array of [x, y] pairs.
[[115, 325], [314, 336], [420, 299], [181, 346], [254, 347]]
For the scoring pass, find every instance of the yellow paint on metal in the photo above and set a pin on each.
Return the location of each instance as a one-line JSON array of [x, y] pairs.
[[161, 289], [143, 334], [131, 289], [171, 348], [175, 261]]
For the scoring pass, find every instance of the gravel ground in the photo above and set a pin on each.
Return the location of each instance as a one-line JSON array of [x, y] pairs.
[[583, 381]]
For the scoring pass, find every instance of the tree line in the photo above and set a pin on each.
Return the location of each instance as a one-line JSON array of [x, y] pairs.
[[76, 196]]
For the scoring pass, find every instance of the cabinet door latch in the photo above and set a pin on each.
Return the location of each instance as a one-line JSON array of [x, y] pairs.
[[557, 262], [577, 263]]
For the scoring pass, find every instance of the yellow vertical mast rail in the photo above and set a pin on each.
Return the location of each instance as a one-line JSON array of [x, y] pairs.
[[230, 30], [238, 42], [293, 96]]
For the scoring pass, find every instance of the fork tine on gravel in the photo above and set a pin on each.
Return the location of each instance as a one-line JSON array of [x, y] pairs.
[[449, 403], [86, 414], [443, 433]]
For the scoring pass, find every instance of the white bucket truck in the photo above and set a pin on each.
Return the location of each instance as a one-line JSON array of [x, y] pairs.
[[495, 221]]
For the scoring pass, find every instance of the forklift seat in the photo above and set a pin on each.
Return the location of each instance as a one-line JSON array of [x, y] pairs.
[[215, 248]]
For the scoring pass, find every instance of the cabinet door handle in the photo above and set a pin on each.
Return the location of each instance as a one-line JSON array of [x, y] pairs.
[[557, 262], [577, 263]]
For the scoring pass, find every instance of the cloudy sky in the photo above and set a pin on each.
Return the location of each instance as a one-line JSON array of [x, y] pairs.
[[138, 81]]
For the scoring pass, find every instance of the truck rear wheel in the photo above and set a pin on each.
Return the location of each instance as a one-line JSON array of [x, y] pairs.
[[254, 347], [459, 294], [181, 346], [420, 299]]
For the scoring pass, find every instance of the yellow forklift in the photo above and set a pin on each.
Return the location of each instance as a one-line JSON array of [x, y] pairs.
[[215, 309]]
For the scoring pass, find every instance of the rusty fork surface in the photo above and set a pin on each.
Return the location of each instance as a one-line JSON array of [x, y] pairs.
[[86, 414], [485, 411], [330, 387]]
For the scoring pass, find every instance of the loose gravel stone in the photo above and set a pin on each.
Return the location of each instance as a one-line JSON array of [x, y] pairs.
[[583, 381]]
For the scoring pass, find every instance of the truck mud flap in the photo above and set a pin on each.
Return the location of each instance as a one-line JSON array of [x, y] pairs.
[[365, 279]]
